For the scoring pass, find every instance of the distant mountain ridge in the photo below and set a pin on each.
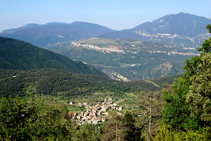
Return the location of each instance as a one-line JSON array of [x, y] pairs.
[[51, 33], [181, 23], [10, 31], [181, 30], [19, 55]]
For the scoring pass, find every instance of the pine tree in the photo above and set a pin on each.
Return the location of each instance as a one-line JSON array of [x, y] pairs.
[[151, 105], [121, 128]]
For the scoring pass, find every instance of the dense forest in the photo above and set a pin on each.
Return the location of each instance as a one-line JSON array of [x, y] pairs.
[[54, 81], [184, 108]]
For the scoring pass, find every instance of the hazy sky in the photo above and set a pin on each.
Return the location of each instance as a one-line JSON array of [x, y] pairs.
[[115, 14]]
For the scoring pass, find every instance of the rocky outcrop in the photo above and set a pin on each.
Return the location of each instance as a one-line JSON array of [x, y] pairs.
[[163, 69], [116, 76]]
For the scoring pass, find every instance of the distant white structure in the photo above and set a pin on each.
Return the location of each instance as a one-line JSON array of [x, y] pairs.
[[120, 108], [85, 103], [114, 104]]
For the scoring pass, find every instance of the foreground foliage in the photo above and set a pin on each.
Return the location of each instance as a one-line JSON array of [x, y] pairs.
[[171, 134], [121, 128], [21, 120], [188, 102], [152, 104], [35, 120], [187, 107]]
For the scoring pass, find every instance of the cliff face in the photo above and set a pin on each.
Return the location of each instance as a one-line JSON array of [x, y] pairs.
[[116, 76], [164, 69]]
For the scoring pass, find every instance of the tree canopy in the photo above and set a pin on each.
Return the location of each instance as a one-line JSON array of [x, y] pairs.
[[188, 103]]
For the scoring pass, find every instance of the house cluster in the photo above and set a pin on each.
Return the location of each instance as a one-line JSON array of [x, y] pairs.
[[95, 114]]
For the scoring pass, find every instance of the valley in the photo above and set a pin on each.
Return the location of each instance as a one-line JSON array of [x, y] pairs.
[[131, 54], [125, 59], [84, 81]]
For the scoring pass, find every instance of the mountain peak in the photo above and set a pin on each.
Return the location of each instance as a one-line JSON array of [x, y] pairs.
[[30, 25], [180, 13], [185, 14], [78, 22], [184, 24], [179, 30]]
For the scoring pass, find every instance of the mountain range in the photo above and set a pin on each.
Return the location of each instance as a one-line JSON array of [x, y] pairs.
[[181, 30], [51, 33]]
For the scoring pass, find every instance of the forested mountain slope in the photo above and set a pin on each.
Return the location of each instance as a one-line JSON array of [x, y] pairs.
[[19, 55], [61, 82]]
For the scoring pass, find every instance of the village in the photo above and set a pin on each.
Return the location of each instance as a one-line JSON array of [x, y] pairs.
[[100, 49], [96, 114]]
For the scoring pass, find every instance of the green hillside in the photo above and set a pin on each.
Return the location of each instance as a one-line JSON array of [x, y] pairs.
[[57, 82], [19, 55]]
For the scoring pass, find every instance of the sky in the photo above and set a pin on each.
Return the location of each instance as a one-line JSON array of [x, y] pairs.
[[114, 14]]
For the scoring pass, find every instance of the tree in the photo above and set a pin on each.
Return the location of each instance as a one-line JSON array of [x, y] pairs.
[[168, 134], [199, 96], [150, 103], [86, 132], [208, 27], [112, 128], [12, 121], [30, 120], [132, 133], [176, 110], [121, 128], [180, 102]]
